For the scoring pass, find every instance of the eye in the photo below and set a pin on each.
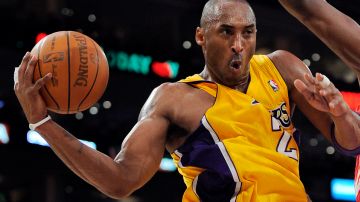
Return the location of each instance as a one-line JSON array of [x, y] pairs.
[[227, 31], [248, 33]]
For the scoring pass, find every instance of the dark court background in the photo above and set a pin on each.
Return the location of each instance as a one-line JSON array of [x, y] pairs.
[[156, 31]]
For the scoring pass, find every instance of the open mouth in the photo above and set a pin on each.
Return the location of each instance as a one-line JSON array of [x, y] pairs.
[[236, 64]]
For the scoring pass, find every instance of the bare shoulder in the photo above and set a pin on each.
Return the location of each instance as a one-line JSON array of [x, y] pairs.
[[170, 92], [181, 106], [163, 99], [173, 88], [289, 66]]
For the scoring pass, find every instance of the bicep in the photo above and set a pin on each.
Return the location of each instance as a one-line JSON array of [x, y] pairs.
[[144, 146]]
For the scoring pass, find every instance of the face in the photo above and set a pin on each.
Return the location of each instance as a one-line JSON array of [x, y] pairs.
[[228, 42]]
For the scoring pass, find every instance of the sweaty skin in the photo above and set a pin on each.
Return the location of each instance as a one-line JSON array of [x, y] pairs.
[[173, 110]]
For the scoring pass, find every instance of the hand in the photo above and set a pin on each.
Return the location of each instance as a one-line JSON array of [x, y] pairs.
[[322, 94], [27, 91]]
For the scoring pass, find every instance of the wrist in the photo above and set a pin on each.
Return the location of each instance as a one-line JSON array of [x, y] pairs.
[[33, 126], [347, 113]]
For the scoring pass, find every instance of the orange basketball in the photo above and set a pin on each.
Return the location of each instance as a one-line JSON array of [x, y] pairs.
[[79, 68]]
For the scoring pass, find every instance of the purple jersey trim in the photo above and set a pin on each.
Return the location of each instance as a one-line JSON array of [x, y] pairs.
[[338, 147], [215, 183]]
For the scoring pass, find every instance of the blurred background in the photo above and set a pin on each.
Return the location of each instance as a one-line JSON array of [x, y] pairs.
[[147, 42]]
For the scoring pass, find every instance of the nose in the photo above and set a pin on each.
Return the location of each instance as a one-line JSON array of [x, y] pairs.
[[237, 45]]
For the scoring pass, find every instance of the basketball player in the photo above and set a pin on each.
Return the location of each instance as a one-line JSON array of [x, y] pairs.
[[338, 31], [228, 128]]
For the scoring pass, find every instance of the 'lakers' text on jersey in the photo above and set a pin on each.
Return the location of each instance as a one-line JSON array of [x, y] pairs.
[[245, 147]]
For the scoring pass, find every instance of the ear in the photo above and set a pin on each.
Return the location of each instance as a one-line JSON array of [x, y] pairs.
[[199, 36]]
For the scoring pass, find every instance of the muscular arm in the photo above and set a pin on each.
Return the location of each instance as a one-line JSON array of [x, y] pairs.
[[141, 151], [338, 31], [135, 164], [347, 123]]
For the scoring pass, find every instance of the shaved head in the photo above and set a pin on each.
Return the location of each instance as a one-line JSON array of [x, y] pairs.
[[213, 8]]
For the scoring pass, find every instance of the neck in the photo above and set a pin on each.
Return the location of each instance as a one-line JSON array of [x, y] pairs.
[[243, 85], [240, 85]]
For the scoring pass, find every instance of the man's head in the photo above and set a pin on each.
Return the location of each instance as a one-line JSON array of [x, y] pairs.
[[212, 11], [227, 35]]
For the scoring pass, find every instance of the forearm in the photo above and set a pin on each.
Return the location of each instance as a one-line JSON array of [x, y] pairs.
[[321, 18], [347, 130], [300, 9], [337, 30], [94, 167]]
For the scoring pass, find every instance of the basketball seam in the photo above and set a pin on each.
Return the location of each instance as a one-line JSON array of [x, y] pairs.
[[46, 90], [97, 71], [69, 79]]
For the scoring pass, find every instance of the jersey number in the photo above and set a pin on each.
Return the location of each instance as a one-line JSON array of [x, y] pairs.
[[283, 144]]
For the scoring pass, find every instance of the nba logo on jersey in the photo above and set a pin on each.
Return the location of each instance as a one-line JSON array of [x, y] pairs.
[[273, 85]]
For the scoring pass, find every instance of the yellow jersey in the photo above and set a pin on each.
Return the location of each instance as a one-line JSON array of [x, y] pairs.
[[245, 148]]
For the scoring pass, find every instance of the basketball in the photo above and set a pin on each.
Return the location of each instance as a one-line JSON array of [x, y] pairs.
[[79, 68]]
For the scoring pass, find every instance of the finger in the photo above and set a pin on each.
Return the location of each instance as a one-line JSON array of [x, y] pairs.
[[16, 86], [310, 79], [303, 89], [319, 76], [23, 65], [16, 75], [322, 80], [327, 89], [30, 69], [330, 91], [300, 85], [42, 81]]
